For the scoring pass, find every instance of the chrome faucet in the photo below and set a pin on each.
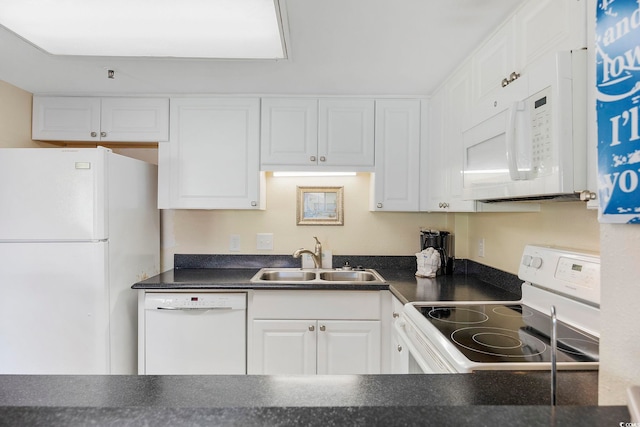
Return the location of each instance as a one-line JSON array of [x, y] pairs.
[[316, 256]]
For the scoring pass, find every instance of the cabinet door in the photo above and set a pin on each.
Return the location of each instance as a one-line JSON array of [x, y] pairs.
[[457, 112], [289, 132], [434, 177], [492, 63], [211, 160], [399, 351], [348, 347], [283, 347], [65, 118], [346, 132], [397, 170], [135, 119], [547, 26]]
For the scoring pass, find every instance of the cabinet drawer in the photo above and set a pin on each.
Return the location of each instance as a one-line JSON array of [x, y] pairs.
[[303, 304]]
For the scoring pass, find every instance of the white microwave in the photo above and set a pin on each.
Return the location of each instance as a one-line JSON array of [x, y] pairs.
[[537, 148]]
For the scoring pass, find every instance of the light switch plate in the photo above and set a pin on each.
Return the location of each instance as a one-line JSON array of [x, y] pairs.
[[234, 243], [264, 241]]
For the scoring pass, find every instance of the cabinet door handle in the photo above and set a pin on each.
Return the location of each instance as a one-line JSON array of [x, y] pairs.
[[323, 328], [312, 328], [103, 134], [399, 349], [379, 205], [94, 134], [395, 315], [505, 82], [323, 158], [312, 158], [254, 203]]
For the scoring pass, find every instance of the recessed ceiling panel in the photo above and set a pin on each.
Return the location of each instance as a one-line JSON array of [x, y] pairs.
[[233, 29]]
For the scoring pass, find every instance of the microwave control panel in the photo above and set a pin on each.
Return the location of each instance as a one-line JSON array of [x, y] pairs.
[[541, 130]]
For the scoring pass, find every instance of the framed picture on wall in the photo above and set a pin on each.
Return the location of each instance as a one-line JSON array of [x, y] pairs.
[[320, 206]]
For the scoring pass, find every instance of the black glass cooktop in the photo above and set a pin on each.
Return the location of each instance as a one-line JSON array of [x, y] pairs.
[[490, 333]]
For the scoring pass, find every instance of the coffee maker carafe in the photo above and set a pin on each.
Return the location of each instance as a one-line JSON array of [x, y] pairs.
[[443, 242]]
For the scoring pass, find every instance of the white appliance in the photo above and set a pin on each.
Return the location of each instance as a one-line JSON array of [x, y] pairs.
[[78, 227], [451, 337], [194, 334], [537, 147]]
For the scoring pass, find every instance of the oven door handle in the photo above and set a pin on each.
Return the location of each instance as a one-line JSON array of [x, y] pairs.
[[399, 327]]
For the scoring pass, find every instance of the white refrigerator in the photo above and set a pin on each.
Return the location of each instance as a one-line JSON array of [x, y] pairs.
[[78, 227]]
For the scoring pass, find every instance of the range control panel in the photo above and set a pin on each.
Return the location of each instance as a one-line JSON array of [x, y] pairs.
[[561, 270]]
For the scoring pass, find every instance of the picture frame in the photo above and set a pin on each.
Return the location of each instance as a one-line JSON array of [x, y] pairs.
[[320, 206]]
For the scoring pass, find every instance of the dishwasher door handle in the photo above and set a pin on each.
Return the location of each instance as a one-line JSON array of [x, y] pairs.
[[194, 308]]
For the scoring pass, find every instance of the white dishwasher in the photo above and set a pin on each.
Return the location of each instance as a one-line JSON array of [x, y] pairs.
[[195, 333]]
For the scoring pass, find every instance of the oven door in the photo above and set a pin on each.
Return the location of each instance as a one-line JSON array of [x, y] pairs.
[[420, 357]]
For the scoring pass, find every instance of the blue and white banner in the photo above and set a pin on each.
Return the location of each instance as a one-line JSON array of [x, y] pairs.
[[618, 104]]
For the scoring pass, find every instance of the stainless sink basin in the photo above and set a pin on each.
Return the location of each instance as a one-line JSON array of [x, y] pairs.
[[348, 276], [287, 275], [317, 276]]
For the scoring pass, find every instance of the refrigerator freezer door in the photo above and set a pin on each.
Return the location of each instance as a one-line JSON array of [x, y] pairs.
[[54, 310], [53, 194]]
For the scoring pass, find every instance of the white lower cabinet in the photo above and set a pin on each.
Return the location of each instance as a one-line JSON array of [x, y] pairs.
[[314, 332], [399, 352], [316, 347]]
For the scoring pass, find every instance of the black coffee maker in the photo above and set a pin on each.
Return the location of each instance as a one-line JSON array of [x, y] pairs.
[[443, 242]]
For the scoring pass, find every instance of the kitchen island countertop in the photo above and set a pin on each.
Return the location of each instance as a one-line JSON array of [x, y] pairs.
[[484, 398]]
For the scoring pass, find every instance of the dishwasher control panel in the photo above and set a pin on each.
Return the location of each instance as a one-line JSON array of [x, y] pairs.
[[186, 301]]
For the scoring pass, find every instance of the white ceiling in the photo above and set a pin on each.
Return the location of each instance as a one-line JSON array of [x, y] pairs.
[[373, 47]]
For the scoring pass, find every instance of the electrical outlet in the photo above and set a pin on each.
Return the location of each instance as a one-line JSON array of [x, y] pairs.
[[264, 241], [481, 247], [234, 243]]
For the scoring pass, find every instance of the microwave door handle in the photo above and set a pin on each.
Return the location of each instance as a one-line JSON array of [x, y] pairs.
[[515, 132]]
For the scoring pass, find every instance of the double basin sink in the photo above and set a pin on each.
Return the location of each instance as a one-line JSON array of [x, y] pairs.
[[298, 275]]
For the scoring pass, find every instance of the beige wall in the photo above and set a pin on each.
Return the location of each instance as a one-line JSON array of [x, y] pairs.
[[620, 299], [15, 117], [566, 224], [363, 232]]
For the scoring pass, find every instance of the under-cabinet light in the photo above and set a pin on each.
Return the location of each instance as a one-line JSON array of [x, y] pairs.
[[319, 174], [231, 29]]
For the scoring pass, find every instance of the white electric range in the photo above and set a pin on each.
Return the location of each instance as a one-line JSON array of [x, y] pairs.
[[450, 337]]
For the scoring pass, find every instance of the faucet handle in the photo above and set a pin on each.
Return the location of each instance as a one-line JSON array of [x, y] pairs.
[[317, 241]]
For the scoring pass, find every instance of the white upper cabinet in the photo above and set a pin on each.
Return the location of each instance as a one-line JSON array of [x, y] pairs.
[[449, 115], [494, 74], [212, 158], [289, 132], [313, 134], [433, 173], [346, 132], [547, 26], [538, 29], [62, 118], [396, 181]]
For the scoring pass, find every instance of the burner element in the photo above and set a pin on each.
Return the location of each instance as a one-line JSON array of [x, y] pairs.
[[463, 316], [513, 311], [498, 342]]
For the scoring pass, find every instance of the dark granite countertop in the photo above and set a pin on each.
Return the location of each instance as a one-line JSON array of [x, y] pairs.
[[482, 398], [470, 281]]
